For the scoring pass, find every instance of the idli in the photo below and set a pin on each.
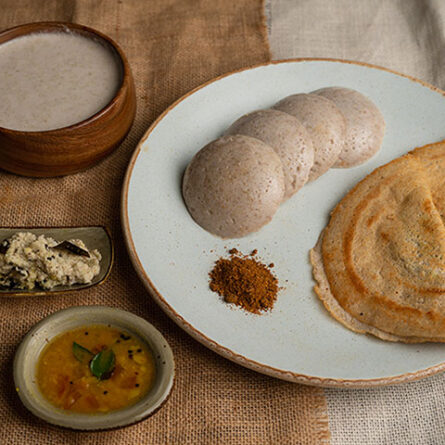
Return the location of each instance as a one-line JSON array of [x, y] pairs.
[[365, 125], [287, 136], [325, 124], [233, 186]]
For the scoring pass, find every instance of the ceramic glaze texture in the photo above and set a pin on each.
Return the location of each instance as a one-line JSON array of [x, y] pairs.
[[54, 79], [298, 340]]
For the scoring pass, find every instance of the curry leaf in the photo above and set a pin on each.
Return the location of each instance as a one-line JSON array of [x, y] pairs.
[[73, 248], [102, 364], [82, 354]]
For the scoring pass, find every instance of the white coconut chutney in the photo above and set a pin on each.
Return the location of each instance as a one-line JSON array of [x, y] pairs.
[[28, 261], [52, 80]]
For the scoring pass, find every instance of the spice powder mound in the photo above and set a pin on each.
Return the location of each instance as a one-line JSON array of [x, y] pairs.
[[244, 281]]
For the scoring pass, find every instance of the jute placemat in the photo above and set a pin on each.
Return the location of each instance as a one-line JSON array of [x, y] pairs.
[[172, 46]]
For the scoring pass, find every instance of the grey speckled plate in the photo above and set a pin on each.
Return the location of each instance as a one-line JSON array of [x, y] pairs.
[[298, 341], [94, 237]]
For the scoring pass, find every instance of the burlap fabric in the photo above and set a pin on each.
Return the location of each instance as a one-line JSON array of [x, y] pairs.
[[407, 36], [172, 46]]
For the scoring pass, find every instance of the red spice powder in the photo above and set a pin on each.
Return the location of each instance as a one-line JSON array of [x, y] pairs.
[[244, 281]]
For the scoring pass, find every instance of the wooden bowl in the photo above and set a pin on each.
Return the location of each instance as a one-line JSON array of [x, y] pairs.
[[76, 147]]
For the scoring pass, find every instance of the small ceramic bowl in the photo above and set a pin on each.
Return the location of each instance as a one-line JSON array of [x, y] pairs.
[[74, 148], [28, 353], [94, 237]]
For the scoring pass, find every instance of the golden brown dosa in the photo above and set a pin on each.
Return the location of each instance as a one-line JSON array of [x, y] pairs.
[[380, 262]]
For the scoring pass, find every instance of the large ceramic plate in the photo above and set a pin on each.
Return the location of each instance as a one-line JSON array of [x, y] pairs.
[[298, 340]]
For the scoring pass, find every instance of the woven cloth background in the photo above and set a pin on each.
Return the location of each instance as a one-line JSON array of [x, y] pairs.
[[172, 46], [407, 36]]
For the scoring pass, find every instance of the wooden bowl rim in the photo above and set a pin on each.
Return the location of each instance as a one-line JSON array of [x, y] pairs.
[[33, 27]]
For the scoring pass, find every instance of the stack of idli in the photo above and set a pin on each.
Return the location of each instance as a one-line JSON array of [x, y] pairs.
[[235, 184]]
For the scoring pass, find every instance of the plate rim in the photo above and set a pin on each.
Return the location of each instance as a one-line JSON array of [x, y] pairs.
[[225, 352]]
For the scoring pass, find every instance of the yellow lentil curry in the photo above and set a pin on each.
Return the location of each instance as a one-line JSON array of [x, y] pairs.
[[95, 369]]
